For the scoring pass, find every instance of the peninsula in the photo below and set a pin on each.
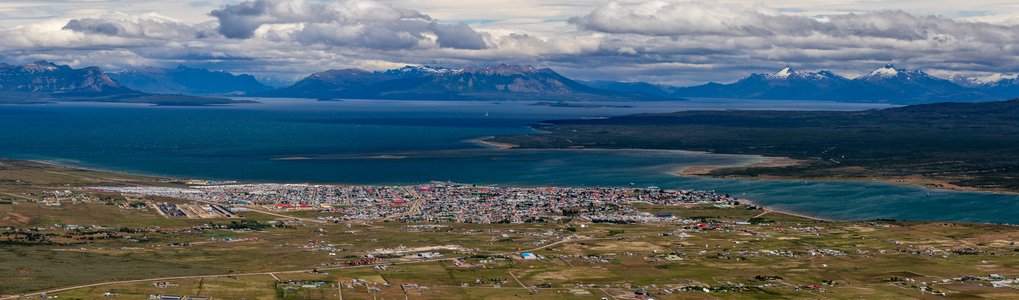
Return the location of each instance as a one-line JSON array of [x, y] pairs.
[[944, 145]]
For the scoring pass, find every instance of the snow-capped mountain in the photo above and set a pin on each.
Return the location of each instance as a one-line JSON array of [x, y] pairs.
[[48, 78], [787, 83], [416, 71], [470, 83], [889, 72], [788, 73], [985, 80], [901, 85], [46, 81], [1001, 85], [884, 84]]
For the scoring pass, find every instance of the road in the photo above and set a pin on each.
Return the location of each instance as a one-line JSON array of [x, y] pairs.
[[759, 215], [257, 210], [570, 239], [516, 279], [415, 207], [19, 196]]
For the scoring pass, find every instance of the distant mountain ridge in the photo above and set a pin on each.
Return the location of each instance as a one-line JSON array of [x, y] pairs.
[[49, 78], [639, 88], [501, 82], [44, 81], [1001, 85], [185, 80], [885, 84], [513, 82], [784, 84]]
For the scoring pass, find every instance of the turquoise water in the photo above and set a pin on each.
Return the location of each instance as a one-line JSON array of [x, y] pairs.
[[405, 142]]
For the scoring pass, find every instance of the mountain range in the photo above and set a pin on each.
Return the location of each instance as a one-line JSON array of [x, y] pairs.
[[43, 81], [185, 80], [501, 82], [49, 78], [1005, 86], [885, 84], [50, 82], [507, 82]]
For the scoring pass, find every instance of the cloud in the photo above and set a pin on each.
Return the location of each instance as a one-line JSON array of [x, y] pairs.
[[663, 18], [50, 35], [142, 26], [741, 39], [664, 41], [459, 36], [363, 23], [692, 18]]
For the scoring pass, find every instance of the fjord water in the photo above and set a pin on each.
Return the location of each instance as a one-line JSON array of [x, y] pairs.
[[407, 142]]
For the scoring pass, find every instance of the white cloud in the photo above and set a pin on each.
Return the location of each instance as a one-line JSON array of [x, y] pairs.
[[364, 23], [694, 18], [149, 25], [739, 39], [668, 41], [50, 34]]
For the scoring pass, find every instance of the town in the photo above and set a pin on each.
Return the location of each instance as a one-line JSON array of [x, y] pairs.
[[436, 202]]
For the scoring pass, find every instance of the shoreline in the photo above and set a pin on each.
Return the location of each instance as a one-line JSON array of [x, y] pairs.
[[762, 162], [747, 201], [84, 168], [785, 212], [64, 165], [704, 171], [486, 142]]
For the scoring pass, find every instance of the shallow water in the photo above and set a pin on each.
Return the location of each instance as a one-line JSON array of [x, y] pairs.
[[404, 142]]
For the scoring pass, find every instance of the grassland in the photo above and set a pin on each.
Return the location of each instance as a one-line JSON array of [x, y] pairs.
[[128, 252], [946, 145]]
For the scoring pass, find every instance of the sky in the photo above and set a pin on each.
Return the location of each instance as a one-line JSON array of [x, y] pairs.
[[674, 42]]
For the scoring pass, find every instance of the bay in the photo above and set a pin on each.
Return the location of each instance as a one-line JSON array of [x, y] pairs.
[[408, 142]]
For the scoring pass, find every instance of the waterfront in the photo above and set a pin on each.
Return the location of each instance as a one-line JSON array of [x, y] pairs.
[[412, 142], [444, 202]]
